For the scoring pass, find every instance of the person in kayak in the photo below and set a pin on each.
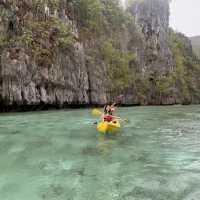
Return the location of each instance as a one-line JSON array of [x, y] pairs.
[[108, 112]]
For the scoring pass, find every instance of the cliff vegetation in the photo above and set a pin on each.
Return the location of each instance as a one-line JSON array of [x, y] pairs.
[[73, 52]]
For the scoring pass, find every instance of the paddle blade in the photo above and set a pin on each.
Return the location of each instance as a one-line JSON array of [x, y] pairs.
[[96, 112]]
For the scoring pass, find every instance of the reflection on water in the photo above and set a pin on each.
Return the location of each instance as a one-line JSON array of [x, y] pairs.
[[106, 143], [58, 155]]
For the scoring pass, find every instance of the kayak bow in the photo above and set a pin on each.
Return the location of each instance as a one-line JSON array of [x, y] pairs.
[[105, 127]]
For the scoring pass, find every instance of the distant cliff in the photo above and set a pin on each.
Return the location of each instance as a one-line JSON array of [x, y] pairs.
[[70, 53], [196, 44]]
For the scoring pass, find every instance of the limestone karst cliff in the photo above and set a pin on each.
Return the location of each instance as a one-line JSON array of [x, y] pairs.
[[60, 53], [196, 44]]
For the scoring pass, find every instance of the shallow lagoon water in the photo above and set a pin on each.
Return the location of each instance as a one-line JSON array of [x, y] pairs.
[[58, 155]]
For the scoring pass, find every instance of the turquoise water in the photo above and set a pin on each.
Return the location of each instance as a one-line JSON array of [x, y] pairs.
[[58, 155]]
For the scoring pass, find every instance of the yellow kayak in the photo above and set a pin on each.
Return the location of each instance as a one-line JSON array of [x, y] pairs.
[[105, 127]]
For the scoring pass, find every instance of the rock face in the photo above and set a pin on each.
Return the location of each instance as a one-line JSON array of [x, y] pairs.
[[73, 78], [98, 83], [188, 51], [149, 40], [25, 83], [196, 44], [158, 59], [152, 20]]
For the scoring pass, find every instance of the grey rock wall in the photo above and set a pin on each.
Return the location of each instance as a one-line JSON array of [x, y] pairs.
[[25, 83], [152, 19], [76, 78]]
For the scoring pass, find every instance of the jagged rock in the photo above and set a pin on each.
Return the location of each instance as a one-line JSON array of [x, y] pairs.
[[70, 76], [152, 19], [23, 82]]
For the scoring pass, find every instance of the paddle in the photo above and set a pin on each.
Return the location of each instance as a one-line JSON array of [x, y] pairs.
[[97, 112]]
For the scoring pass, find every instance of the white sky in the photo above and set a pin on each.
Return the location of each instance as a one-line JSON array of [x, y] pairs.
[[123, 2], [185, 16]]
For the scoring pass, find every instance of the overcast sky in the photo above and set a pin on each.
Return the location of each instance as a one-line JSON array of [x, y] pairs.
[[185, 16]]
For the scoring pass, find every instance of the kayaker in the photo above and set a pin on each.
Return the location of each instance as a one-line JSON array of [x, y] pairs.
[[109, 108], [108, 112]]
